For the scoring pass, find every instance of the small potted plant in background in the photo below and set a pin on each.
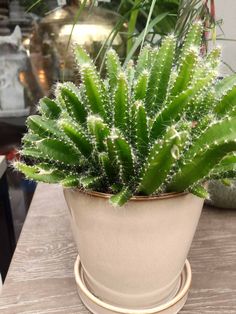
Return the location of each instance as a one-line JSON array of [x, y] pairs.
[[133, 152], [222, 193]]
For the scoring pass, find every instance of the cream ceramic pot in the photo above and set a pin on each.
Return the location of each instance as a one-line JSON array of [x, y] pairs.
[[132, 256]]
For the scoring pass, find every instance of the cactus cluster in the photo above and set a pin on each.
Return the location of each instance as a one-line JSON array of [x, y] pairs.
[[164, 124]]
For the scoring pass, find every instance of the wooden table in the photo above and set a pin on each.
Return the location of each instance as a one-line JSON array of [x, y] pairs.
[[41, 279]]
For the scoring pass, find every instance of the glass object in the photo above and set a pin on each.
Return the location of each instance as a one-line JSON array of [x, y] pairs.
[[51, 46]]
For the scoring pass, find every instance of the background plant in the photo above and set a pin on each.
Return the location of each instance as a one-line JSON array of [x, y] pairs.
[[153, 127], [159, 18], [147, 20]]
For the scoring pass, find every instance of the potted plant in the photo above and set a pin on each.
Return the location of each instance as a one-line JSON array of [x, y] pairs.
[[133, 151], [222, 193]]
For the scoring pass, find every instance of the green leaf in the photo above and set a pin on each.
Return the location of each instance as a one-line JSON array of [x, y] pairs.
[[139, 39]]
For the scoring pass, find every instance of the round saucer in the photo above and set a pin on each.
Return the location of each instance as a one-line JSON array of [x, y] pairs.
[[97, 306]]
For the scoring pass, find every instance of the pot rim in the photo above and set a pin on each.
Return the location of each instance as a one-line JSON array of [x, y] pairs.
[[133, 198]]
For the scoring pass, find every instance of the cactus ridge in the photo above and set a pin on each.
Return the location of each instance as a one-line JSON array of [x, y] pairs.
[[164, 124]]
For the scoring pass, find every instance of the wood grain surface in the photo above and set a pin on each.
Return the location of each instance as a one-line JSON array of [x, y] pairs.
[[40, 279]]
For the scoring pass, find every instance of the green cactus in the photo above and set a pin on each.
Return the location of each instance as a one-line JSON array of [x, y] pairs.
[[165, 124]]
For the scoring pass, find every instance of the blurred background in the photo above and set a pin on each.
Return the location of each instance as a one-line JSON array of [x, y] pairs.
[[36, 51]]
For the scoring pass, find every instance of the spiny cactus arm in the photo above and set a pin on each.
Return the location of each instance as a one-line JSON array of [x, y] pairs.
[[193, 38], [121, 198], [49, 108], [227, 163], [29, 139], [143, 61], [29, 148], [125, 158], [130, 72], [227, 103], [206, 152], [112, 155], [141, 132], [225, 177], [140, 88], [225, 93], [110, 171], [113, 67], [120, 103], [99, 131], [161, 158], [218, 132], [186, 71], [77, 136], [232, 112], [160, 74], [89, 181], [33, 152], [225, 169], [202, 125], [94, 90], [40, 174], [199, 191], [170, 113], [81, 56], [72, 103], [43, 127], [84, 181], [224, 86], [59, 151], [202, 105], [199, 167], [70, 181], [175, 109], [213, 58]]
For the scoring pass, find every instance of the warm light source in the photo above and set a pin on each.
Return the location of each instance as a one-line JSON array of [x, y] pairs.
[[83, 33]]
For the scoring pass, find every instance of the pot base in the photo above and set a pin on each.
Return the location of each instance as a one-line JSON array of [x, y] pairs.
[[97, 306]]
